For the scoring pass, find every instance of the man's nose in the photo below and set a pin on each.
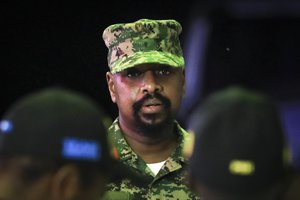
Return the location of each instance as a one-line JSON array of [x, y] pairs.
[[150, 83]]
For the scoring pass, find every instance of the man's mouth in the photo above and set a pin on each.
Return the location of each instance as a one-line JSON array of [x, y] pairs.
[[152, 106]]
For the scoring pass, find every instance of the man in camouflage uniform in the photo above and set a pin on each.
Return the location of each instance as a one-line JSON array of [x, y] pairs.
[[146, 80]]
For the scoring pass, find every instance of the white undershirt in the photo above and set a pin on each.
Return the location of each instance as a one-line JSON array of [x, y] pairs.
[[155, 167]]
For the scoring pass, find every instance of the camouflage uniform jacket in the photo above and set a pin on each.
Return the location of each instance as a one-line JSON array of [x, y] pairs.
[[168, 184]]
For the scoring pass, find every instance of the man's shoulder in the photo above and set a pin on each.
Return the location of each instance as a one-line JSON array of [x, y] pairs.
[[184, 135], [187, 139], [180, 129], [114, 126], [118, 143], [114, 131], [115, 135]]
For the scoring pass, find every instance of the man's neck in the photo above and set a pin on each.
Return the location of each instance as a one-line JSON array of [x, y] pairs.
[[152, 149]]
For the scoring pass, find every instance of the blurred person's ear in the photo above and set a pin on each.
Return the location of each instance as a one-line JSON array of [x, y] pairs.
[[66, 183]]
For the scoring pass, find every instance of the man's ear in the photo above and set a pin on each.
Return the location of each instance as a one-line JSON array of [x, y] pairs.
[[183, 83], [66, 183], [111, 86]]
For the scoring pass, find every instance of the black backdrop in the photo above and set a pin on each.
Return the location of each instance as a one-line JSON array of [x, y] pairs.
[[60, 43], [47, 44]]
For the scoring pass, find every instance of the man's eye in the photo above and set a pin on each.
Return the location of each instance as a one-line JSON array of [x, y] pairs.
[[133, 73], [163, 72]]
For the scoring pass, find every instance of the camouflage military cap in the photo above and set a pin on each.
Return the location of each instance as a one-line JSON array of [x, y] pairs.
[[143, 41]]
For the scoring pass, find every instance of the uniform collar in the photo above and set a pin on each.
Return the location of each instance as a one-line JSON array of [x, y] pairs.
[[125, 152]]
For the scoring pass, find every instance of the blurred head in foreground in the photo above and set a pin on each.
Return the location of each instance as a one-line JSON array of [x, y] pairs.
[[53, 146], [239, 146]]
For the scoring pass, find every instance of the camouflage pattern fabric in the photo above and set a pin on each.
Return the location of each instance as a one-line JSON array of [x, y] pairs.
[[168, 184], [143, 41]]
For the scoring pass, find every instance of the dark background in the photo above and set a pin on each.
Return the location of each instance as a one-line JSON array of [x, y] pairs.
[[61, 43], [251, 43]]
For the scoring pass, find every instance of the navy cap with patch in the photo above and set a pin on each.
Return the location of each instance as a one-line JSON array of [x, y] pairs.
[[57, 123], [60, 124], [240, 146]]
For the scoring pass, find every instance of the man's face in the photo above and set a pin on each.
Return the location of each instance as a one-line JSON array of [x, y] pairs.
[[148, 96]]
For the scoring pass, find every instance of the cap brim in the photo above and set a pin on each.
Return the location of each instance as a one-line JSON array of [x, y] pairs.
[[139, 58]]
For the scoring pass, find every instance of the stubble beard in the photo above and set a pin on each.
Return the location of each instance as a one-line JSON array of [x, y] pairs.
[[153, 129]]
